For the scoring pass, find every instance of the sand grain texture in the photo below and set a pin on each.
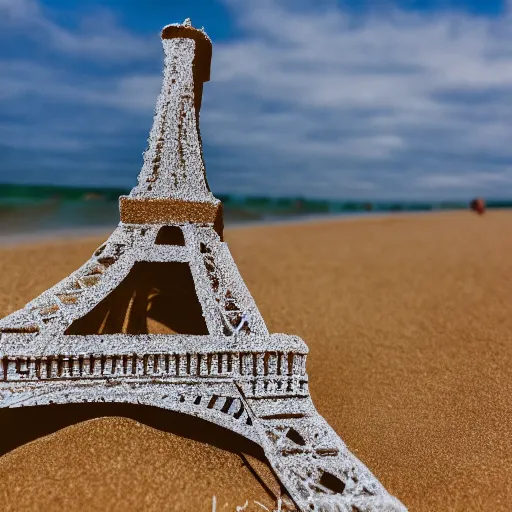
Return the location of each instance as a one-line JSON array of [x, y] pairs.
[[410, 334]]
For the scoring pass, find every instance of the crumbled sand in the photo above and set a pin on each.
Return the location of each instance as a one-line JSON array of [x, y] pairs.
[[410, 333]]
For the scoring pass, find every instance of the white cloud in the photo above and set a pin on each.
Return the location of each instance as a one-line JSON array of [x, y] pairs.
[[467, 181], [98, 37], [133, 92], [19, 10], [401, 95], [313, 100]]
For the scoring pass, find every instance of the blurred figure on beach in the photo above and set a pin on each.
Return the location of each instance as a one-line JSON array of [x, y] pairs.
[[477, 205]]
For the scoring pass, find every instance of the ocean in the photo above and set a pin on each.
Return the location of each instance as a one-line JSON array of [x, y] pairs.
[[33, 209]]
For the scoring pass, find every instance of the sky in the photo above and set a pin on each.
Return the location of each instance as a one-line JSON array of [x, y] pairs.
[[335, 99]]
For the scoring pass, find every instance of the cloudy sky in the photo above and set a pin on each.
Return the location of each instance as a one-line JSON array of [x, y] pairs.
[[321, 98]]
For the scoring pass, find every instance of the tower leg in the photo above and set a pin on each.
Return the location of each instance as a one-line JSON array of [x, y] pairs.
[[316, 468], [307, 456]]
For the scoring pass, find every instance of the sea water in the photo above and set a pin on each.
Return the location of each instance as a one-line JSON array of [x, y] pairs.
[[30, 209]]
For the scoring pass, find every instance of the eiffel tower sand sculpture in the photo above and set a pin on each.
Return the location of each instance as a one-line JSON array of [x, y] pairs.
[[161, 316]]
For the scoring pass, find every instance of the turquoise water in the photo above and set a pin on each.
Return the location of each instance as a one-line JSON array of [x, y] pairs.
[[27, 209]]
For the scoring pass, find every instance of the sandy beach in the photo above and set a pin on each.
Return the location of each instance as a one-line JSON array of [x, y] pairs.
[[410, 333]]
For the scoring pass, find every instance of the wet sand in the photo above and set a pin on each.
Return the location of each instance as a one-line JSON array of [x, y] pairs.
[[410, 333]]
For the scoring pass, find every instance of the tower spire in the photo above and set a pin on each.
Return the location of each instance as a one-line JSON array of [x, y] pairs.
[[172, 185]]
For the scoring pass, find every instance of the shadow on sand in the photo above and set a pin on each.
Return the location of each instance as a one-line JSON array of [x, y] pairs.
[[24, 424]]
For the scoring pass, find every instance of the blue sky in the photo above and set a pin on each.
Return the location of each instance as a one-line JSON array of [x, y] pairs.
[[406, 99]]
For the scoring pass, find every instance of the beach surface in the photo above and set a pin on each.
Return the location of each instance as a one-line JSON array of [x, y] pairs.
[[408, 320]]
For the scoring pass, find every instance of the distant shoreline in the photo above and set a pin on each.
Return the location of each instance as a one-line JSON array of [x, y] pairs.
[[32, 213], [333, 217], [53, 235], [49, 235]]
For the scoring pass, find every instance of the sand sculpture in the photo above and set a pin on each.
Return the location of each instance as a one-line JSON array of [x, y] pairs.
[[161, 316]]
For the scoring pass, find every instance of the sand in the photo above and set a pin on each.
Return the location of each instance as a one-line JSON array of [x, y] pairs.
[[410, 333]]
